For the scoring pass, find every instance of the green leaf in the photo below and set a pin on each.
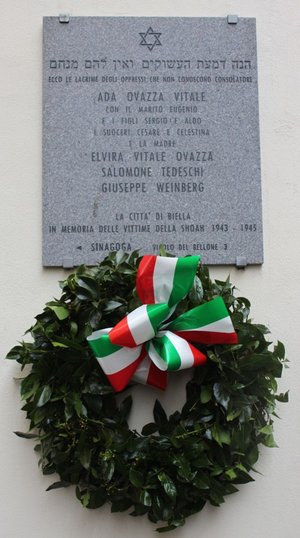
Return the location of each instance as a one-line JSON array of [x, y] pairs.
[[89, 284], [201, 481], [125, 407], [279, 350], [85, 498], [85, 455], [84, 294], [44, 396], [26, 435], [221, 395], [15, 354], [168, 485], [136, 478], [145, 498], [39, 416], [160, 417], [196, 292], [183, 468], [221, 436], [29, 386], [97, 498], [60, 311], [174, 525], [73, 401], [262, 361], [120, 257], [66, 343], [231, 474], [108, 469], [73, 329], [270, 441], [59, 344], [120, 505], [139, 510], [150, 428], [112, 305], [246, 414], [243, 477], [205, 394], [252, 456], [241, 437], [233, 414], [162, 250], [266, 429], [283, 397], [59, 484]]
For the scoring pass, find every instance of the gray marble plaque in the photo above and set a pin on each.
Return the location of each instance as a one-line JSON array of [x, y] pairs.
[[151, 136]]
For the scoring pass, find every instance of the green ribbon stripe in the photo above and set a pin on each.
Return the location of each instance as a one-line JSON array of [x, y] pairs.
[[184, 275], [102, 346], [200, 316], [157, 313], [167, 351]]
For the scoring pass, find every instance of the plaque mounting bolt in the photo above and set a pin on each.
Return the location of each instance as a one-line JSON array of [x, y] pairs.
[[241, 262], [232, 19], [64, 18]]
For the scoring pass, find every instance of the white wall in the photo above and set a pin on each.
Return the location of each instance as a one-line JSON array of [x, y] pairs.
[[270, 505]]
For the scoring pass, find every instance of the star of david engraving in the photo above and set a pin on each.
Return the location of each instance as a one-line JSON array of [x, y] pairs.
[[150, 39]]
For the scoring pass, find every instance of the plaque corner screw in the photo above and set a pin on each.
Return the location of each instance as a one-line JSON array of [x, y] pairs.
[[232, 19], [64, 18], [241, 262]]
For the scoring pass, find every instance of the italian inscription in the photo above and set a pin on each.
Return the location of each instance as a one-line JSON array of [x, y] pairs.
[[150, 137]]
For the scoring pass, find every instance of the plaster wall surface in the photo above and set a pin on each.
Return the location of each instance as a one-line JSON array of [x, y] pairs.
[[270, 505]]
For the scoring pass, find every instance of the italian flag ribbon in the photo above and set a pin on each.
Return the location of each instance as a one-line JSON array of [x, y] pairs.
[[143, 346]]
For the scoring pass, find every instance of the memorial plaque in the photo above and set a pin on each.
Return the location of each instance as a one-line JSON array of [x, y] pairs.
[[150, 137]]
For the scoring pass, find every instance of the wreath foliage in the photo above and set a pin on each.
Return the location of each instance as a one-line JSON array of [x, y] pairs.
[[177, 463]]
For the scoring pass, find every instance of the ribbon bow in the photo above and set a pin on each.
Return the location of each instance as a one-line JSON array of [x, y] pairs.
[[144, 345]]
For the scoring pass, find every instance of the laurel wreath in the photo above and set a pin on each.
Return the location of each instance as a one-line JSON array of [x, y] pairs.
[[176, 463]]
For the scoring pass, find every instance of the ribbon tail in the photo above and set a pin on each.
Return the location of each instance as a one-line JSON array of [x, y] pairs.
[[209, 324], [121, 378], [165, 280], [147, 373], [209, 337]]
